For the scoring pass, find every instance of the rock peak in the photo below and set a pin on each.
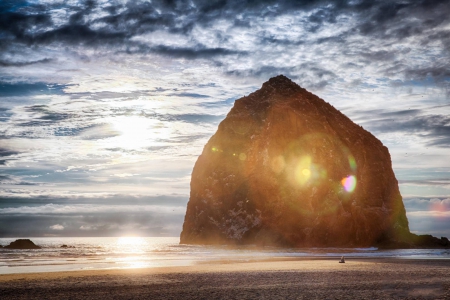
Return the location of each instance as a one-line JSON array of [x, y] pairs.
[[281, 82]]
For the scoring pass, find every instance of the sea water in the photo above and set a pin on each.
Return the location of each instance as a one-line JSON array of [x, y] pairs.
[[97, 253]]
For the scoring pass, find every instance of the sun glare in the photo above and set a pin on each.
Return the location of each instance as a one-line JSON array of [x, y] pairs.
[[126, 240], [303, 170], [131, 243], [138, 132]]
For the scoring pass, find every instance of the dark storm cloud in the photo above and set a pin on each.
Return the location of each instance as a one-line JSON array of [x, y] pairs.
[[199, 51], [113, 199], [34, 24], [101, 224], [400, 19], [435, 128], [6, 152], [38, 121], [442, 182], [311, 74], [5, 155], [262, 71], [378, 55], [277, 41], [46, 115], [5, 114], [23, 63], [188, 118], [438, 71], [117, 30], [91, 216], [43, 120], [15, 180]]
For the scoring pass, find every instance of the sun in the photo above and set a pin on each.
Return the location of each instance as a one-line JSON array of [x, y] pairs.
[[135, 132]]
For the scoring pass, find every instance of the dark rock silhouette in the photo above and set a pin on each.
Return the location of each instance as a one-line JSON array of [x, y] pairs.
[[286, 168], [22, 244]]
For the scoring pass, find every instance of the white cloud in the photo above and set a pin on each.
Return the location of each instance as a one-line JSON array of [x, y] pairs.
[[122, 175], [57, 227]]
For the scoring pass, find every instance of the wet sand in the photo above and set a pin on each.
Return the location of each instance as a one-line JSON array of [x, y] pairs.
[[374, 278]]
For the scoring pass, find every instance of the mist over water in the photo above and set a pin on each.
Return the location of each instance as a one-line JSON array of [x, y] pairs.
[[96, 253]]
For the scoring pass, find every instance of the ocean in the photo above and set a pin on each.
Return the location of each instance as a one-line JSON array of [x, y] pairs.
[[97, 253]]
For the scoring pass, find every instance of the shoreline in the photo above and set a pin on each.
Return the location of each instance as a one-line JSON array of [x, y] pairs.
[[284, 278], [230, 265], [275, 263]]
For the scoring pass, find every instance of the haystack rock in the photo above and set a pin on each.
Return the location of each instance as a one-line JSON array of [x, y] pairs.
[[285, 168]]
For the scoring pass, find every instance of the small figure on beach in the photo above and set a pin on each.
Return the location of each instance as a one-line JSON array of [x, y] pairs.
[[342, 261]]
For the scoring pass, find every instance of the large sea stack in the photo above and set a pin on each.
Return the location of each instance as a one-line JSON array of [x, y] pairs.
[[286, 168]]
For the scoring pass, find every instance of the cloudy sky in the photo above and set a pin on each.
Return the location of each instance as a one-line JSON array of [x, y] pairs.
[[105, 105]]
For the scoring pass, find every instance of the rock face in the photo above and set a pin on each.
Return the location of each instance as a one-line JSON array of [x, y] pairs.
[[286, 168], [22, 244]]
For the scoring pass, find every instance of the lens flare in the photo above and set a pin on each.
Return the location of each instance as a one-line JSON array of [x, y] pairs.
[[349, 183], [303, 170], [215, 149], [242, 156], [352, 162]]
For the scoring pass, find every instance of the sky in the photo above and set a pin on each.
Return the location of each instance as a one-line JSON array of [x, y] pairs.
[[106, 105]]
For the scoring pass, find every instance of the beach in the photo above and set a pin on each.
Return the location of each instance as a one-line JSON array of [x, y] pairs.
[[280, 278]]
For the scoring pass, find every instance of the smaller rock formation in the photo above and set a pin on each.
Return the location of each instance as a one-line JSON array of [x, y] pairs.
[[342, 261], [64, 246], [414, 241], [22, 244], [428, 241]]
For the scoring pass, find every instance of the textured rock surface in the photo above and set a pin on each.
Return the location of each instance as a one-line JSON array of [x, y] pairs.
[[286, 168], [22, 244]]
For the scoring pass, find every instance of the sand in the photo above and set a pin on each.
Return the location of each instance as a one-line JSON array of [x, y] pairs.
[[272, 279]]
